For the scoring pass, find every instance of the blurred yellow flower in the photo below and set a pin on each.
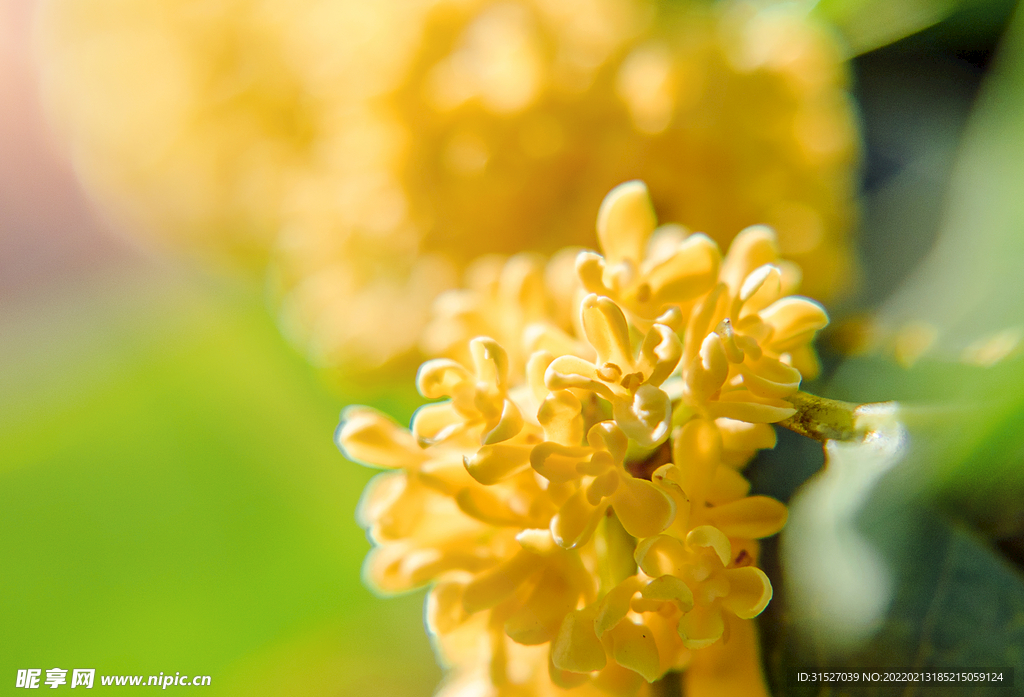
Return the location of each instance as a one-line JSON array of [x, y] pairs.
[[576, 505], [369, 150]]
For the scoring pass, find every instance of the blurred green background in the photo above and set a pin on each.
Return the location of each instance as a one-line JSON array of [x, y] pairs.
[[172, 500]]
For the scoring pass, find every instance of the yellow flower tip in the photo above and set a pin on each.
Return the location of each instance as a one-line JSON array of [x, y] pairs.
[[560, 415], [444, 611], [660, 555], [794, 321], [371, 438], [707, 536], [625, 222], [752, 248], [577, 647], [558, 463], [607, 435], [496, 462], [439, 378], [576, 520], [642, 508], [750, 591], [670, 588], [491, 361], [751, 517], [701, 627], [509, 424], [491, 587], [647, 417], [634, 647]]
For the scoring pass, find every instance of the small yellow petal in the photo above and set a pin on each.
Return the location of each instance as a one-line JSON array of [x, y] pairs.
[[491, 587], [614, 606], [571, 371], [603, 486], [487, 506], [577, 648], [558, 463], [397, 568], [770, 378], [805, 359], [539, 619], [606, 435], [707, 310], [744, 436], [491, 362], [565, 679], [701, 627], [728, 668], [752, 517], [369, 437], [647, 417], [625, 222], [576, 520], [749, 591], [670, 588], [561, 416], [536, 540], [660, 555], [434, 421], [712, 538], [765, 277], [543, 336], [795, 320], [509, 424], [444, 611], [707, 372], [607, 331], [440, 377], [642, 508], [492, 463], [689, 272], [659, 354], [743, 405], [727, 485], [590, 269], [751, 248], [381, 495], [633, 647], [697, 452], [536, 367]]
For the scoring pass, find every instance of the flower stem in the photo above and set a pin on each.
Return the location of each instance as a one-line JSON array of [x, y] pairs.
[[821, 418]]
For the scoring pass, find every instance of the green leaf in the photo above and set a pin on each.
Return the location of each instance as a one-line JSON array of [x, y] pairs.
[[967, 300], [956, 604], [870, 24]]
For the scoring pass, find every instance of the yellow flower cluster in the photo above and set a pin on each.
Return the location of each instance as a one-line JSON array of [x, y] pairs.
[[369, 150], [575, 501]]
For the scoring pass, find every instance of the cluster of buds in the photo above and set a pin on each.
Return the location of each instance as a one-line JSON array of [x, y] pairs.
[[575, 502]]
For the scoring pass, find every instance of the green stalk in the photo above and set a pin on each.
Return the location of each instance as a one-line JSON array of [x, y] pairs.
[[822, 419]]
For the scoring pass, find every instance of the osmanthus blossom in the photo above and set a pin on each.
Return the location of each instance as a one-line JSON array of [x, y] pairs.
[[576, 506], [364, 175]]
